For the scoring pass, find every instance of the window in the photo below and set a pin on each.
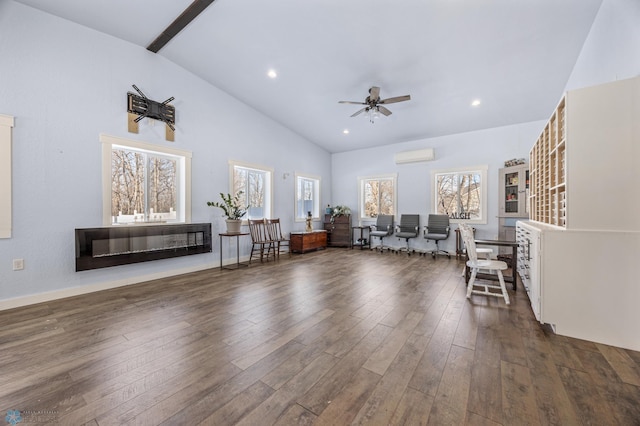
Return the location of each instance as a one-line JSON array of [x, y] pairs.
[[6, 125], [144, 182], [255, 182], [307, 197], [461, 194], [377, 195]]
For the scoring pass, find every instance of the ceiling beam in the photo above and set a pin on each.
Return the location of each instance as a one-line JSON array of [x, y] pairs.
[[178, 24]]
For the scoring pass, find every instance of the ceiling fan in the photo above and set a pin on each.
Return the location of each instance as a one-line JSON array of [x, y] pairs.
[[374, 105]]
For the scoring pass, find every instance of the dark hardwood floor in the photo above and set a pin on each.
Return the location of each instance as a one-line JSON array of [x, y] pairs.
[[329, 338]]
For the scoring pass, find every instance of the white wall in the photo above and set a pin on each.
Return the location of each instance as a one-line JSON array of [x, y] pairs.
[[611, 52], [489, 147], [66, 84], [612, 49]]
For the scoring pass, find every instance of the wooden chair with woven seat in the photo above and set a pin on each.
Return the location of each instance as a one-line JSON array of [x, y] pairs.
[[274, 231], [260, 241], [475, 264]]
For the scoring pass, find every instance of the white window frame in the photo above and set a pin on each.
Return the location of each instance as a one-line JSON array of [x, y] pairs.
[[361, 182], [482, 171], [184, 174], [6, 126], [268, 199], [315, 213]]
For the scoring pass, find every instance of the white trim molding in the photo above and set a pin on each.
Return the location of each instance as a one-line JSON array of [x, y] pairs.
[[185, 173], [6, 195]]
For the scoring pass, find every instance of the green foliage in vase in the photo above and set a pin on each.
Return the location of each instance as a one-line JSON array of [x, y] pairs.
[[231, 205], [340, 211]]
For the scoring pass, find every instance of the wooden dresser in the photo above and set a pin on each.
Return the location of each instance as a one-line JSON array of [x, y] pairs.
[[338, 231], [302, 242]]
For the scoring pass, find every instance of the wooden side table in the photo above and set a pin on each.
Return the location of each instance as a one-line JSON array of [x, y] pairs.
[[227, 235], [362, 242]]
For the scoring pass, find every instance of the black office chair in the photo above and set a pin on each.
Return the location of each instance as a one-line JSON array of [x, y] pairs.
[[408, 228], [382, 228], [437, 229]]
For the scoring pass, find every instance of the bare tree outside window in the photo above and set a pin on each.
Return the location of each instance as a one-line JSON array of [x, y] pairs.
[[307, 197], [378, 197], [254, 185], [459, 195], [142, 184]]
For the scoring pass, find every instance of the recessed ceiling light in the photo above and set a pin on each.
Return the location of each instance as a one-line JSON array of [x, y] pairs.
[[475, 102], [345, 131], [272, 73]]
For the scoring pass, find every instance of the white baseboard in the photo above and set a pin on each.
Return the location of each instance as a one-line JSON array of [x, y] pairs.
[[77, 291]]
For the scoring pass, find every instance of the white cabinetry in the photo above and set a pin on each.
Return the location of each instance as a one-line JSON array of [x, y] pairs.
[[583, 243], [514, 191], [514, 201], [528, 239]]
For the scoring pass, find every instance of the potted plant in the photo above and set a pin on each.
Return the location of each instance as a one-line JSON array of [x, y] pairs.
[[233, 210], [339, 211]]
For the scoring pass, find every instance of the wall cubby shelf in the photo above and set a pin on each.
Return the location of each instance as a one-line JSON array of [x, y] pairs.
[[578, 253], [121, 245]]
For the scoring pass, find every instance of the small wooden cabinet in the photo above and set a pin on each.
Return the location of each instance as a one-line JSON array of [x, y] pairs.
[[338, 230], [302, 242]]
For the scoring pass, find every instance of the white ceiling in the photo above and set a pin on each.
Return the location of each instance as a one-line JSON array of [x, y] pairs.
[[516, 56]]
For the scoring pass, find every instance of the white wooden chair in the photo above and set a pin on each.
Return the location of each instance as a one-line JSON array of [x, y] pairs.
[[475, 264], [480, 251]]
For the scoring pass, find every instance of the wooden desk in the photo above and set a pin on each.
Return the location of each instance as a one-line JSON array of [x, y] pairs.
[[237, 265], [302, 242], [513, 279]]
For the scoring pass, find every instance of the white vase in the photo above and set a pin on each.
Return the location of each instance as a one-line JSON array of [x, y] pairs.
[[233, 226]]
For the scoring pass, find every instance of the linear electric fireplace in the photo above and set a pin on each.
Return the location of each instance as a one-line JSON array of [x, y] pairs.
[[121, 245]]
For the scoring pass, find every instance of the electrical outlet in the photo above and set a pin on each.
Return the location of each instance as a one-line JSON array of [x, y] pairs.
[[18, 264]]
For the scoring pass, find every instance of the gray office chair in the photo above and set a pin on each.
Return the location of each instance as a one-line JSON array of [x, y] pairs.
[[437, 229], [382, 228], [408, 228]]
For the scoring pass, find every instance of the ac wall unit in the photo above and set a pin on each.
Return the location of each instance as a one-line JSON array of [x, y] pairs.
[[426, 154]]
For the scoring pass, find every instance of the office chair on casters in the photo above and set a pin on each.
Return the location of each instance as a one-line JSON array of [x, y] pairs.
[[382, 228], [437, 229], [408, 228], [475, 264]]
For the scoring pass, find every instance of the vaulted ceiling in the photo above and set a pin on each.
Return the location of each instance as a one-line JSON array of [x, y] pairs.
[[514, 56]]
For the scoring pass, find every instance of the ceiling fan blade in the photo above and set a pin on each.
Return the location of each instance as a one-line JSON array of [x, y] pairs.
[[352, 102], [395, 99], [384, 110], [359, 112], [374, 93]]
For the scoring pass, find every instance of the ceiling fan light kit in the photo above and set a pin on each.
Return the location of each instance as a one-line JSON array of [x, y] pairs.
[[374, 105]]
